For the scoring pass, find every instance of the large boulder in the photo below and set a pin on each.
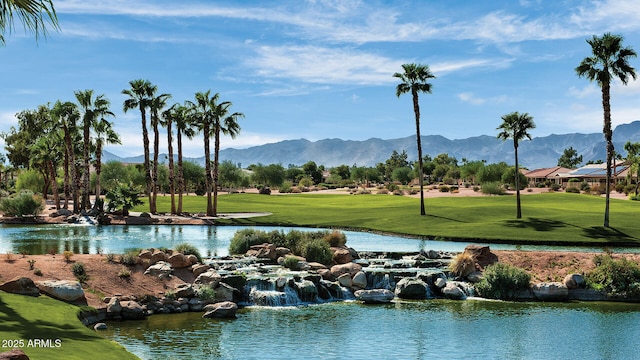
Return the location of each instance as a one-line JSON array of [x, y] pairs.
[[198, 269], [482, 255], [375, 296], [225, 292], [15, 354], [21, 286], [161, 269], [453, 292], [209, 277], [265, 250], [225, 309], [113, 307], [412, 288], [184, 291], [350, 268], [554, 291], [341, 256], [306, 289], [65, 290], [179, 261], [157, 256], [574, 281], [131, 310], [359, 280]]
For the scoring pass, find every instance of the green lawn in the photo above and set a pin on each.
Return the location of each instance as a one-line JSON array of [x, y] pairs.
[[553, 218], [49, 329]]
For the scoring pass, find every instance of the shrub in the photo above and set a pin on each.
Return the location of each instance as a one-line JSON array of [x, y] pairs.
[[286, 187], [265, 190], [616, 277], [443, 188], [573, 190], [634, 197], [398, 192], [502, 281], [37, 272], [31, 263], [584, 186], [188, 249], [243, 239], [476, 188], [206, 293], [67, 255], [124, 273], [317, 250], [291, 262], [78, 269], [619, 188], [129, 258], [492, 188], [24, 203], [382, 191], [111, 258], [555, 187], [392, 187], [335, 238]]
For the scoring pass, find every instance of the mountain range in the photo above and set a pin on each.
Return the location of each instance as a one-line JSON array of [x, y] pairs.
[[540, 152]]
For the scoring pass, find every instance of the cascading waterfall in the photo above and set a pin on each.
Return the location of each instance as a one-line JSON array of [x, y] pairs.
[[271, 292]]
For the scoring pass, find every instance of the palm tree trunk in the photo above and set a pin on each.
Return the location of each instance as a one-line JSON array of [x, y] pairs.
[[172, 189], [610, 149], [180, 172], [145, 143], [517, 174], [416, 110], [98, 172], [85, 183], [66, 177], [207, 167], [216, 164], [156, 149], [54, 185]]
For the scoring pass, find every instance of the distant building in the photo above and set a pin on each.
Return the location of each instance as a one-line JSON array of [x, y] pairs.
[[593, 174]]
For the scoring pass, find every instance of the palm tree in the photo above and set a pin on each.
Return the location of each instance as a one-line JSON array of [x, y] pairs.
[[140, 95], [66, 116], [156, 104], [168, 117], [204, 108], [45, 152], [414, 80], [184, 120], [32, 13], [228, 125], [516, 126], [104, 135], [93, 109], [609, 60]]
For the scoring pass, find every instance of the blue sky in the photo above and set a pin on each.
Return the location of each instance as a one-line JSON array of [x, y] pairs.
[[323, 68]]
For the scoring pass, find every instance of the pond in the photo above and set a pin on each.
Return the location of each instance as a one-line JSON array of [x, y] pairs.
[[473, 329], [209, 240]]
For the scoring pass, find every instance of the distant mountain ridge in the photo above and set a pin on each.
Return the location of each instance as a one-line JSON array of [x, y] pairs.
[[538, 153]]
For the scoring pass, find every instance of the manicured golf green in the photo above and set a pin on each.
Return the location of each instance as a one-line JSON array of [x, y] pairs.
[[550, 218], [45, 328]]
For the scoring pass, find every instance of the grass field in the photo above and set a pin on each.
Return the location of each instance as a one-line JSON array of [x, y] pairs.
[[552, 218], [45, 328]]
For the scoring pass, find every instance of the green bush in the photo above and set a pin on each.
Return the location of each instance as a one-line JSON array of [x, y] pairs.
[[78, 269], [188, 249], [443, 188], [317, 250], [555, 187], [616, 277], [129, 258], [206, 293], [502, 281], [24, 203], [584, 186], [294, 240], [286, 187], [492, 188], [573, 190], [619, 188], [243, 239], [291, 262]]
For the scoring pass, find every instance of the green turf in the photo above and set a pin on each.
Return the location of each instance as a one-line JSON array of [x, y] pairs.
[[552, 218], [25, 320]]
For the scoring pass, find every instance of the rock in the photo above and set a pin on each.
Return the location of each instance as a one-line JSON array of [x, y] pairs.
[[235, 281], [574, 281], [179, 261], [226, 292], [282, 251], [375, 296], [65, 290], [412, 288], [440, 283], [265, 250], [326, 274], [209, 277], [21, 286], [350, 268], [359, 280], [113, 307], [184, 291], [161, 269], [341, 256], [192, 259], [316, 266], [145, 254], [482, 255], [307, 291], [198, 269], [131, 310], [554, 291], [451, 291], [100, 326], [15, 354], [225, 309], [433, 254], [475, 277], [157, 256], [196, 304], [345, 280]]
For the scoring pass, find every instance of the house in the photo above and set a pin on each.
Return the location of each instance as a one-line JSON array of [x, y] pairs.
[[542, 175], [594, 174]]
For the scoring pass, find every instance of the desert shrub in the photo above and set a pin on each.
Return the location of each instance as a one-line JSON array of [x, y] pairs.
[[492, 188], [286, 187], [24, 203], [476, 188], [37, 272], [392, 187], [124, 273], [555, 187], [398, 192], [335, 238], [296, 190], [291, 262], [129, 258], [573, 190], [188, 249], [382, 191], [317, 250], [243, 239], [616, 277], [67, 255], [265, 190], [634, 197], [584, 186], [541, 185], [443, 188], [206, 293], [629, 188], [110, 258], [502, 281], [619, 188], [78, 269], [31, 263], [462, 264]]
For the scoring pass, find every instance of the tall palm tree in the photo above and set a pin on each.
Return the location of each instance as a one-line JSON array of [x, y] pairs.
[[93, 109], [516, 126], [609, 60], [415, 80], [204, 109], [66, 115], [34, 14], [184, 120], [104, 134], [156, 105], [168, 117], [227, 124], [45, 152], [140, 95]]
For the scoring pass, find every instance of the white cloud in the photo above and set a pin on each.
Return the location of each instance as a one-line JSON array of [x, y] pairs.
[[584, 92], [471, 98]]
